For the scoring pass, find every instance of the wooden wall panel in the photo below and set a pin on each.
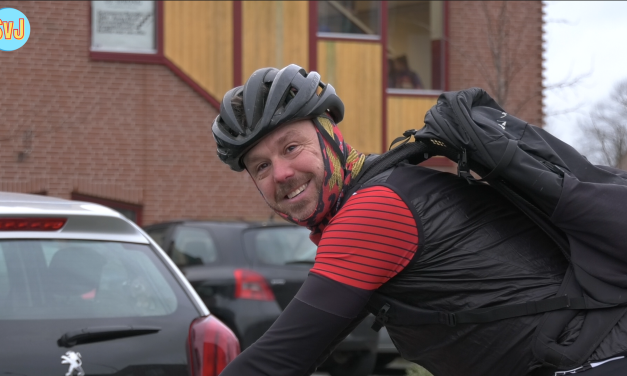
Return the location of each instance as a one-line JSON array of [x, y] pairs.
[[405, 113], [198, 39], [354, 69], [274, 34]]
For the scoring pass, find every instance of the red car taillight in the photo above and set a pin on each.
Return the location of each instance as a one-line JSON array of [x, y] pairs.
[[251, 285], [211, 346], [31, 224]]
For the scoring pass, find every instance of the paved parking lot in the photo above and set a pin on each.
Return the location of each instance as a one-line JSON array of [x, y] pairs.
[[396, 368], [395, 372], [391, 373]]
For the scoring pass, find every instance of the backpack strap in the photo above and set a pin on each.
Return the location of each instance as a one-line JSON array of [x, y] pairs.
[[464, 169], [597, 325], [375, 164], [536, 215], [411, 152]]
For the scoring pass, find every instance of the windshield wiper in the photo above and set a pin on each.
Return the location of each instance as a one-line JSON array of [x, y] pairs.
[[103, 333]]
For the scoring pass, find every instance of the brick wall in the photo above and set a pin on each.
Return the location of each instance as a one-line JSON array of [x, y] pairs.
[[137, 133], [471, 61], [129, 132]]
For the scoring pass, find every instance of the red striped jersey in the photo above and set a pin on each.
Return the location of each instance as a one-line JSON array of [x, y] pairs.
[[370, 240]]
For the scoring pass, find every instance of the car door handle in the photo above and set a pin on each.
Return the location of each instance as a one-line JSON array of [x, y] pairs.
[[277, 281]]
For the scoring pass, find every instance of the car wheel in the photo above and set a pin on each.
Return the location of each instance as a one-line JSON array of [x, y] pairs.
[[353, 364]]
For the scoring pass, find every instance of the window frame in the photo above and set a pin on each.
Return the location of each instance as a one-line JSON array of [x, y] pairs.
[[148, 58], [395, 92], [381, 38], [133, 57], [350, 36], [314, 37]]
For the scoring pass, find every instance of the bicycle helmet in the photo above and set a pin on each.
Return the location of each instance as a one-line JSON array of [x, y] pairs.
[[293, 95]]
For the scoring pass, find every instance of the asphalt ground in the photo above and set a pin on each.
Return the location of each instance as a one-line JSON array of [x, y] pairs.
[[393, 372], [396, 368]]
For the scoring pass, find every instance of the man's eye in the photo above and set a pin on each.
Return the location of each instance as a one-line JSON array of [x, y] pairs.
[[290, 148], [262, 167]]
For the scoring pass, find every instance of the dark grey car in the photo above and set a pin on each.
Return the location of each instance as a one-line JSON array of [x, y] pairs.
[[247, 273]]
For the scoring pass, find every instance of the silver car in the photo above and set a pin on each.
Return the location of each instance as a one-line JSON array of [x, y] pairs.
[[84, 291]]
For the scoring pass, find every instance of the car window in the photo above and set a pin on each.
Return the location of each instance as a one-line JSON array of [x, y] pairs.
[[193, 246], [158, 235], [281, 245], [82, 279]]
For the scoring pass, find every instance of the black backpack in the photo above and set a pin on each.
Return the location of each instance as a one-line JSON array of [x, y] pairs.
[[579, 205]]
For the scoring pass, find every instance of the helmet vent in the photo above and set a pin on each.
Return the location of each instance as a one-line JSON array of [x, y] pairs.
[[230, 131], [319, 89], [291, 94]]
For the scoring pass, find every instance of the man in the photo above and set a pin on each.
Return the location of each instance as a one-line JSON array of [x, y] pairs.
[[403, 77], [425, 238]]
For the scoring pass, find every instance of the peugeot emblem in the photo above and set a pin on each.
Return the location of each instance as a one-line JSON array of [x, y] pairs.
[[74, 360]]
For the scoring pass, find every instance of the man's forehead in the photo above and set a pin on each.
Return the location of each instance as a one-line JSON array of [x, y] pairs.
[[298, 128], [286, 133]]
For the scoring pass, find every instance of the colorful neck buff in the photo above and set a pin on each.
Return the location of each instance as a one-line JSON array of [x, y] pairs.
[[341, 164]]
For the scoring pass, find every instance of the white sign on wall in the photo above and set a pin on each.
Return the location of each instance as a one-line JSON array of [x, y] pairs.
[[123, 26]]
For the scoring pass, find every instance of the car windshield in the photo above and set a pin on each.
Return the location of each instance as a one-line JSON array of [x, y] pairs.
[[281, 245], [67, 279]]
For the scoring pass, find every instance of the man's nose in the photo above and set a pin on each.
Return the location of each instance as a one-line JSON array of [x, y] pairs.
[[282, 170]]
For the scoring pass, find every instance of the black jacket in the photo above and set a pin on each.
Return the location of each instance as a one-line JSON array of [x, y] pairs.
[[475, 250]]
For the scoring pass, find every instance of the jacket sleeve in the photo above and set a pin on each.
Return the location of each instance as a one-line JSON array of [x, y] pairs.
[[316, 320], [327, 352]]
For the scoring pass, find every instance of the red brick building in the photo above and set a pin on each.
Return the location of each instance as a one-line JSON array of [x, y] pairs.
[[83, 120]]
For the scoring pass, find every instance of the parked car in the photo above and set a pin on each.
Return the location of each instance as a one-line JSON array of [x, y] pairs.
[[247, 273], [84, 291]]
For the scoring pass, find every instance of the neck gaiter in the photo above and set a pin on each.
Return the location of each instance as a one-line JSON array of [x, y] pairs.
[[341, 164]]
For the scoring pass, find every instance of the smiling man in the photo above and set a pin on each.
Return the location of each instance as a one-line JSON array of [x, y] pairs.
[[425, 238], [288, 169]]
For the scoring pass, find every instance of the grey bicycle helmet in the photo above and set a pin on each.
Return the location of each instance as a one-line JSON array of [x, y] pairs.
[[293, 96]]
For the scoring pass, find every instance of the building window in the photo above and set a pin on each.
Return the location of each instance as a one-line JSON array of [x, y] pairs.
[[130, 211], [123, 26], [415, 46], [353, 19]]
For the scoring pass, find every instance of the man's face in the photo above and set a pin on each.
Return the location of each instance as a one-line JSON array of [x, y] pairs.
[[288, 169]]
